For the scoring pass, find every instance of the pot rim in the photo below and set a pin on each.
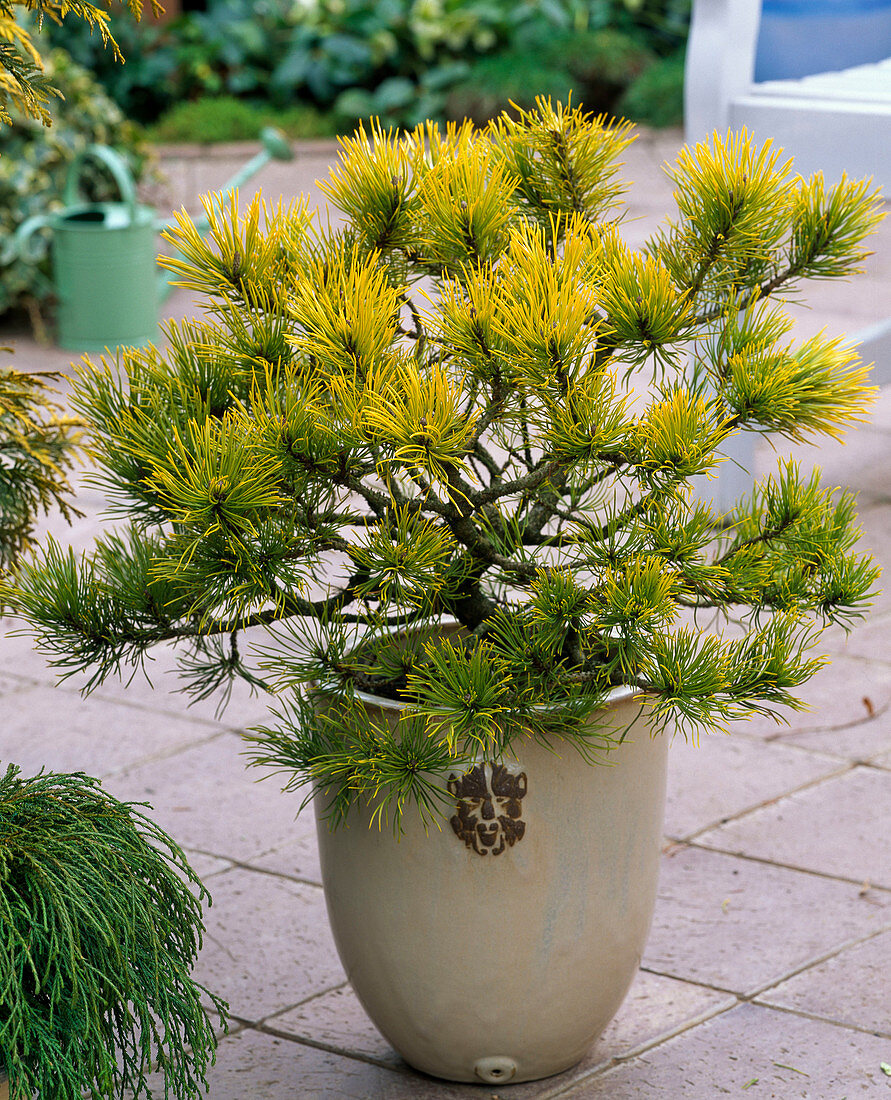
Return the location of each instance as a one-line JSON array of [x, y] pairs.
[[617, 695]]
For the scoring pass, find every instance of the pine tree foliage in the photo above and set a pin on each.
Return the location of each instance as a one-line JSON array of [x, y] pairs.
[[100, 925], [427, 415]]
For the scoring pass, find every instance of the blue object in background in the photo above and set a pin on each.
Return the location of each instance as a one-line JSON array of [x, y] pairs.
[[800, 37]]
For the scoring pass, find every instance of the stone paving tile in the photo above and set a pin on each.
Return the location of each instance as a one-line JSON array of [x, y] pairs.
[[268, 945], [836, 698], [159, 690], [64, 732], [19, 656], [205, 866], [851, 988], [751, 1051], [288, 180], [842, 307], [738, 925], [839, 827], [337, 1019], [267, 1066], [721, 776], [864, 741], [207, 799], [254, 1065], [297, 856], [880, 410], [870, 639], [655, 1006], [10, 684], [859, 461], [876, 524]]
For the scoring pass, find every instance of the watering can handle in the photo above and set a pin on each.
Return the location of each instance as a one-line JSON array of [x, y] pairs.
[[115, 164], [19, 248]]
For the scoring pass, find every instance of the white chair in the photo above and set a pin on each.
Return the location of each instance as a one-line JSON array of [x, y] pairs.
[[833, 122]]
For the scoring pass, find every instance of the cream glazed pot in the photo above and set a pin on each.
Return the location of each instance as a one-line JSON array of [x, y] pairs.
[[498, 948]]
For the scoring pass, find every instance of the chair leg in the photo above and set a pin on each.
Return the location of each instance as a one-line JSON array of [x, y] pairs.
[[735, 476], [875, 347]]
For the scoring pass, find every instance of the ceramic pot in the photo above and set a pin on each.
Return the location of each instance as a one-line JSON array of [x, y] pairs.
[[4, 1086], [497, 948]]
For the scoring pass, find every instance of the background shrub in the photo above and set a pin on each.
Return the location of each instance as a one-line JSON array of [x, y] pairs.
[[225, 118], [402, 60], [656, 98], [595, 66]]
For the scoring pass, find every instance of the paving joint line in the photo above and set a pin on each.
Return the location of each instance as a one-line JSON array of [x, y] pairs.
[[877, 713], [698, 982], [617, 1060], [815, 961], [844, 766], [182, 714], [823, 1019], [243, 865], [403, 1070], [163, 754], [306, 1000], [790, 867]]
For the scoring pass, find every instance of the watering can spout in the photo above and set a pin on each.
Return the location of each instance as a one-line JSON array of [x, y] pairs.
[[276, 146]]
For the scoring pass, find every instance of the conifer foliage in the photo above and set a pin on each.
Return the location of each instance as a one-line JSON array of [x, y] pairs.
[[469, 401], [99, 930], [37, 449]]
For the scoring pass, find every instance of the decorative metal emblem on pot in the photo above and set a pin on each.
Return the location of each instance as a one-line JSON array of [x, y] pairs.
[[488, 800]]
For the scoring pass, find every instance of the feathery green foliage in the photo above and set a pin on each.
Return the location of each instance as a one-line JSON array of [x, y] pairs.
[[36, 452], [99, 930], [472, 414]]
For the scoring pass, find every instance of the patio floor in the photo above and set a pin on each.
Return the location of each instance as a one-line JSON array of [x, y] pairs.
[[768, 970]]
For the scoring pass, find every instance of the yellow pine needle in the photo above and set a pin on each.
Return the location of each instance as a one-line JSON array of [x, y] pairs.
[[418, 417], [373, 185], [733, 193], [545, 315], [465, 204], [348, 311], [681, 434]]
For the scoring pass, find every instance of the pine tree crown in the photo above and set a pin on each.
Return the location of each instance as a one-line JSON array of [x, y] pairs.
[[468, 404]]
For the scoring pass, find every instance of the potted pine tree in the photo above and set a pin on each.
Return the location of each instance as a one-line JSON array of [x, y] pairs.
[[442, 453]]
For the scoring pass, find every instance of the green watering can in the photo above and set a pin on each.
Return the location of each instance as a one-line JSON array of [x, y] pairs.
[[107, 279]]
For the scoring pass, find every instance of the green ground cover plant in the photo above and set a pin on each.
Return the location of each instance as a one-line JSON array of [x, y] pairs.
[[474, 403], [225, 118]]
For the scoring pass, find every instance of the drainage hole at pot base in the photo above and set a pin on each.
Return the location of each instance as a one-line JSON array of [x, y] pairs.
[[496, 1070]]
